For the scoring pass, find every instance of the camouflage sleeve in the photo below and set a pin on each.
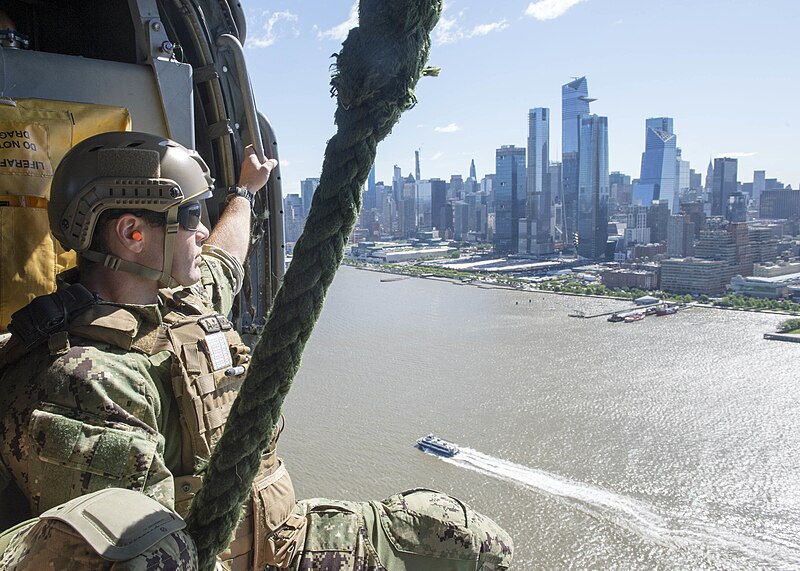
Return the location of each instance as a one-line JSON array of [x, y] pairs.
[[90, 423], [221, 279]]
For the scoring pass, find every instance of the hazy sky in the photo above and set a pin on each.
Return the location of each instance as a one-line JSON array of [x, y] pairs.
[[727, 71]]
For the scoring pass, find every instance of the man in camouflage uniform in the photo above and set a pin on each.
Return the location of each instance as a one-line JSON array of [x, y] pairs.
[[94, 443]]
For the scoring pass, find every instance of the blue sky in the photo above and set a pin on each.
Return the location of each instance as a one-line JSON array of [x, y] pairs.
[[727, 71]]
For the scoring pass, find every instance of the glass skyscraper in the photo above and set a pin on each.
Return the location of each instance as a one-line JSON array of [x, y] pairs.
[[592, 223], [539, 197], [509, 198], [657, 179], [723, 184], [575, 102]]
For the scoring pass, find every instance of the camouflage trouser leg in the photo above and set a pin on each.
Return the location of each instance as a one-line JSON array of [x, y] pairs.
[[417, 530]]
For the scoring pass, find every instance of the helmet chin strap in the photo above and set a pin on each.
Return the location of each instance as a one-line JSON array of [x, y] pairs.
[[166, 279], [163, 276]]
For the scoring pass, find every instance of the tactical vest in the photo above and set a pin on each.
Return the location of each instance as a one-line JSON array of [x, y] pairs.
[[209, 362]]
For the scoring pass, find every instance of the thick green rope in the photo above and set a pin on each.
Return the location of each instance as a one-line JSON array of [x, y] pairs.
[[374, 79]]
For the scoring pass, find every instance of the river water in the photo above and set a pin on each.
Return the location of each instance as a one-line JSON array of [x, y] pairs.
[[669, 443]]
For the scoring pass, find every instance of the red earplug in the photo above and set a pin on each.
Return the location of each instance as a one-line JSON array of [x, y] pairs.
[[136, 235]]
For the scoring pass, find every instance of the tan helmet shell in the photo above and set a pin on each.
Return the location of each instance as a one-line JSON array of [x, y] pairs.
[[121, 170]]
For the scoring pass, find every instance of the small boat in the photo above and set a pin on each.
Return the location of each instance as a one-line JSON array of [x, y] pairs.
[[437, 446], [634, 317], [670, 310]]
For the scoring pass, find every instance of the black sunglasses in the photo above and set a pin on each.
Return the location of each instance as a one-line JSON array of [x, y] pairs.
[[189, 216]]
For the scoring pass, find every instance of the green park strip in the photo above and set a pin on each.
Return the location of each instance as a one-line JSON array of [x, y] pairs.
[[571, 285]]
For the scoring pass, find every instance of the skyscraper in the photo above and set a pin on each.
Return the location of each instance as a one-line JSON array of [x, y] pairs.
[[397, 185], [370, 196], [709, 182], [472, 173], [592, 223], [307, 189], [759, 185], [657, 180], [438, 202], [723, 185], [683, 181], [575, 102], [539, 198], [509, 197]]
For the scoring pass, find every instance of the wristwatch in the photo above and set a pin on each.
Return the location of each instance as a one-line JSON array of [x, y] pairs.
[[243, 192]]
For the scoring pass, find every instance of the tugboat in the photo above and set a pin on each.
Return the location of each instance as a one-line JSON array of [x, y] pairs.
[[437, 446]]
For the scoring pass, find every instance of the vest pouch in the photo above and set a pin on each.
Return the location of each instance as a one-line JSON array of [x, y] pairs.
[[278, 533], [428, 523], [83, 458]]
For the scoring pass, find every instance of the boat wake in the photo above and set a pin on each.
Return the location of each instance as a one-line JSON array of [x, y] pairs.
[[706, 537]]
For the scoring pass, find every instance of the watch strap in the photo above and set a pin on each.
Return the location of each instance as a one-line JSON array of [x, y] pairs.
[[243, 192]]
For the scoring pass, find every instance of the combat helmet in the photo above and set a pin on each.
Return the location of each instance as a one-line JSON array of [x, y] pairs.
[[128, 171]]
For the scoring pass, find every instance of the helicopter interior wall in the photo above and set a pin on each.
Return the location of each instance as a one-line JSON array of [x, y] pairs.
[[25, 73], [97, 29]]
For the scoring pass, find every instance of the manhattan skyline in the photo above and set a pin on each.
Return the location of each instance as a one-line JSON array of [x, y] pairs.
[[723, 71]]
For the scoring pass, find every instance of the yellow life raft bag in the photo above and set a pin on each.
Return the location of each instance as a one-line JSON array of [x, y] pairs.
[[35, 134]]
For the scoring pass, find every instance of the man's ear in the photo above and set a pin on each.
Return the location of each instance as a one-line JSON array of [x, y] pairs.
[[131, 232]]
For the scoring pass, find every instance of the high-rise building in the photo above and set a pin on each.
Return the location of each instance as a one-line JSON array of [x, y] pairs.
[[575, 102], [538, 199], [424, 198], [723, 185], [455, 189], [370, 196], [709, 182], [293, 217], [695, 180], [592, 223], [658, 219], [683, 182], [696, 213], [780, 204], [736, 210], [637, 231], [509, 197], [764, 242], [680, 236], [759, 185], [657, 177], [307, 189], [397, 185], [438, 202], [460, 219], [619, 191], [389, 212], [731, 245], [472, 173], [557, 201]]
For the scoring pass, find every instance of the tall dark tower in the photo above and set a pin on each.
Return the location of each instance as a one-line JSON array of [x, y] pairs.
[[723, 184], [472, 173]]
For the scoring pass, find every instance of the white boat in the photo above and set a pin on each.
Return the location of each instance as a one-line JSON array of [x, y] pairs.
[[437, 446]]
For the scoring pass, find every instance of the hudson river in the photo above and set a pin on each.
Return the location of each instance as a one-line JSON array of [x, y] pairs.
[[669, 443]]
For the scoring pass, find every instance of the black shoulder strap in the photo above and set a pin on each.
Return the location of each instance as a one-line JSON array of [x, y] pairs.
[[34, 323]]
